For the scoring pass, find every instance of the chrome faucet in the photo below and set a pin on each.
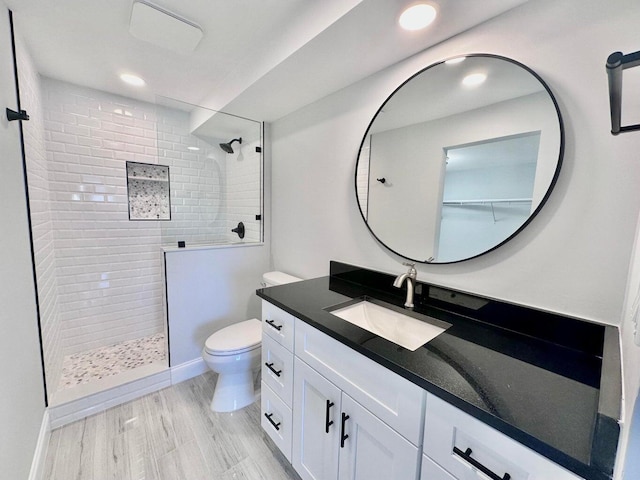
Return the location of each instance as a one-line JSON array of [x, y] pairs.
[[410, 277]]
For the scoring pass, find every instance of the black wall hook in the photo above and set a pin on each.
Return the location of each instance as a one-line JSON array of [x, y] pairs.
[[382, 180], [239, 230], [13, 115]]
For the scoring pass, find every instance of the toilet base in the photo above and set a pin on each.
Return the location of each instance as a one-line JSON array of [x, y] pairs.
[[233, 391]]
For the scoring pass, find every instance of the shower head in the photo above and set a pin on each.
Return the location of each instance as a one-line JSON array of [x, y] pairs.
[[227, 146]]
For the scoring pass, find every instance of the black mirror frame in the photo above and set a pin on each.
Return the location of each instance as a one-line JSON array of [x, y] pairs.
[[533, 214]]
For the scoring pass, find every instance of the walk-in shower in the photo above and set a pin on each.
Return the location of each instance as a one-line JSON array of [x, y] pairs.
[[113, 182]]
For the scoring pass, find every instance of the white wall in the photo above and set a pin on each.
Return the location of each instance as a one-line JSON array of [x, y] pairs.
[[38, 175], [573, 258], [22, 393], [208, 290]]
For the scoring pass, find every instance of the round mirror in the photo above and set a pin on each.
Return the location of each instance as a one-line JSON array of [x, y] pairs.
[[459, 159]]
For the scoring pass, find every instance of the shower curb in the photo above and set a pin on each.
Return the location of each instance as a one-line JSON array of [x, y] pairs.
[[63, 414]]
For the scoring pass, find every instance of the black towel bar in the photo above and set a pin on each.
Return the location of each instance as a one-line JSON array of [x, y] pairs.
[[616, 63]]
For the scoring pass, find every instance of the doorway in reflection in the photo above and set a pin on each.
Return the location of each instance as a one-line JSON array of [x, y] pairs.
[[487, 193]]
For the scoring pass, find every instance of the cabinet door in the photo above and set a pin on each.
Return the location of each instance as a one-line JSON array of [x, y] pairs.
[[276, 420], [316, 424], [371, 450], [432, 471], [277, 368]]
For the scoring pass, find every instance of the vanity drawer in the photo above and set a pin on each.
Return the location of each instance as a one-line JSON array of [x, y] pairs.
[[277, 368], [432, 471], [276, 420], [278, 324], [393, 399], [447, 427]]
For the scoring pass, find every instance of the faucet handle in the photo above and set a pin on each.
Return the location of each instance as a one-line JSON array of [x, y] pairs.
[[413, 273]]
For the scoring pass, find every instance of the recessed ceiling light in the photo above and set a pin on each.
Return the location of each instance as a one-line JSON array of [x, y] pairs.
[[195, 149], [417, 16], [132, 79], [453, 61], [474, 79]]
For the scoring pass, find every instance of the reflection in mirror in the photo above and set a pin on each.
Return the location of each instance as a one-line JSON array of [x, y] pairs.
[[488, 194], [448, 171]]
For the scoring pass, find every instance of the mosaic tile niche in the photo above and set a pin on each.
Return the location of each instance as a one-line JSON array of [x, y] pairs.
[[148, 191]]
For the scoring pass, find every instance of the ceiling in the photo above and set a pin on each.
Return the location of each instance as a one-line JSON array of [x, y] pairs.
[[261, 59]]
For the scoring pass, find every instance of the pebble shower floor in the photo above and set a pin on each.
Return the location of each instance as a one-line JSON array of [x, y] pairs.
[[102, 362]]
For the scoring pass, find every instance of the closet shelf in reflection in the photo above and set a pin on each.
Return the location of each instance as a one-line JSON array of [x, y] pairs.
[[484, 201]]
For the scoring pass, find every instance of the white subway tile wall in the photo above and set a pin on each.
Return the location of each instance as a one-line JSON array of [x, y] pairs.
[[41, 216], [244, 191], [109, 269], [362, 177]]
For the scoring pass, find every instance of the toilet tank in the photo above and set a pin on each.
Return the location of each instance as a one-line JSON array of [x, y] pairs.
[[271, 279]]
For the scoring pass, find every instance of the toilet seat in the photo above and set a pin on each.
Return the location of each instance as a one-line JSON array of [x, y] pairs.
[[237, 338]]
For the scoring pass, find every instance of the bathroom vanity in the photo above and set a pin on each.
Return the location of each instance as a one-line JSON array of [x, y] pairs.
[[505, 392]]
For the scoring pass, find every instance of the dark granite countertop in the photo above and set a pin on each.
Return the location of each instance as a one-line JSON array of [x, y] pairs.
[[550, 382]]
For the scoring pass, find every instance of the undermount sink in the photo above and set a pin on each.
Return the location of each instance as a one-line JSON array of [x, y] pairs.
[[388, 322]]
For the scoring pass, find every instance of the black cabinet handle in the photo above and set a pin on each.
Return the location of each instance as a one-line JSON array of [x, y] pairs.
[[270, 367], [327, 422], [275, 425], [273, 324], [343, 437], [466, 456]]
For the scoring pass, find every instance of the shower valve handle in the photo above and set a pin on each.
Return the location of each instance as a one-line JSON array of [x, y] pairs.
[[239, 230]]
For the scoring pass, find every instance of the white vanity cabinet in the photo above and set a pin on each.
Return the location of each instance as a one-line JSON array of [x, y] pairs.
[[350, 414], [277, 376], [334, 413], [462, 446], [336, 437]]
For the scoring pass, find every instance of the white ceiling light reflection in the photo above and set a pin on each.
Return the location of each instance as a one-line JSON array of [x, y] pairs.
[[193, 149], [131, 79], [474, 79], [417, 17], [454, 61]]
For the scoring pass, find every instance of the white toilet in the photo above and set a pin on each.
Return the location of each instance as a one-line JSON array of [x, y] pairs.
[[234, 354]]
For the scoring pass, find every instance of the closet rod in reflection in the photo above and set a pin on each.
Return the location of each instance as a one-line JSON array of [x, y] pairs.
[[487, 200], [616, 63]]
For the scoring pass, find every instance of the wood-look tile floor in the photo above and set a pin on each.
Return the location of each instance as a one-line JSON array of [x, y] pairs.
[[167, 435]]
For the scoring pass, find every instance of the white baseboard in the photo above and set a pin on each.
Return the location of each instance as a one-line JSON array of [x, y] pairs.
[[40, 454], [188, 370], [71, 409]]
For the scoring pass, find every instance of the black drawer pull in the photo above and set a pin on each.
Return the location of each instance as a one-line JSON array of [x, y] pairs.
[[466, 456], [270, 367], [343, 437], [275, 425], [273, 324], [327, 422]]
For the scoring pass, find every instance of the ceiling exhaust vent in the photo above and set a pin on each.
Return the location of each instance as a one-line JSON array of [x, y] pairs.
[[163, 28]]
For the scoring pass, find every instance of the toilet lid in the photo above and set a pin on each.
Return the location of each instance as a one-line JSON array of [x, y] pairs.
[[235, 338]]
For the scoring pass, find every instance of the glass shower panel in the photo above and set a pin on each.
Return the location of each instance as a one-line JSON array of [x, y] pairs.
[[215, 164]]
